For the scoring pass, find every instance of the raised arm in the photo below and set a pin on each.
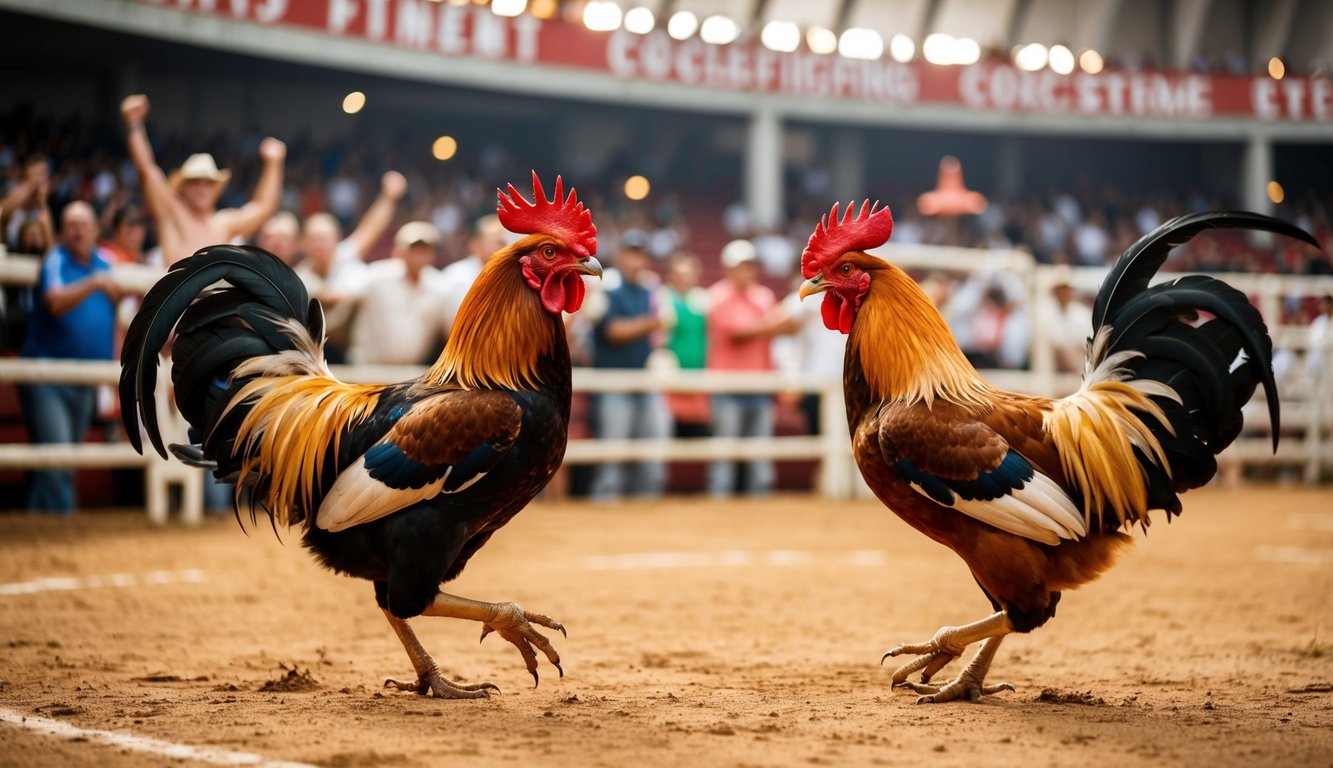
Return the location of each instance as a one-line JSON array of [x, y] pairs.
[[35, 187], [379, 215], [247, 219], [157, 193]]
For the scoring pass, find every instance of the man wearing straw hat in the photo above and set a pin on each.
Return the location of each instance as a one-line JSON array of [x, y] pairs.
[[185, 205]]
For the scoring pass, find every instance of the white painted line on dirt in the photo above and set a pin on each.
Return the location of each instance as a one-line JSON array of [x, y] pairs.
[[59, 583], [1299, 555], [729, 558], [1310, 521], [213, 755]]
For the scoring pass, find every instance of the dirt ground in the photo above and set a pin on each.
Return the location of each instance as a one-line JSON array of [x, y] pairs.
[[746, 633]]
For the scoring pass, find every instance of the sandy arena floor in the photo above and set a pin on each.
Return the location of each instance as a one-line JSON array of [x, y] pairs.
[[752, 636]]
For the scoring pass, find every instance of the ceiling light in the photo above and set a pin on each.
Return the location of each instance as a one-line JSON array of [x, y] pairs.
[[719, 30], [637, 187], [1031, 57], [353, 102], [966, 51], [639, 21], [781, 36], [601, 16], [1061, 59], [508, 7], [821, 40], [1275, 192], [861, 43], [543, 9], [444, 147], [1091, 62], [682, 24], [938, 48], [902, 48]]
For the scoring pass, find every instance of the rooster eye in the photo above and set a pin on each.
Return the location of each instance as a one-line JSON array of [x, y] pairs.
[[846, 269], [548, 252]]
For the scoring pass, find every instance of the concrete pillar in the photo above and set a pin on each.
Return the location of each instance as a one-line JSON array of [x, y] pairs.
[[1009, 168], [1258, 172], [763, 168], [847, 164]]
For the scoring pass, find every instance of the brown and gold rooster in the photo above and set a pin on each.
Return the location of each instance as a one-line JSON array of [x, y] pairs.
[[1035, 494], [402, 483]]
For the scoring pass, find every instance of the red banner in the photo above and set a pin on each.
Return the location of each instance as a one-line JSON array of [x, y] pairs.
[[474, 32]]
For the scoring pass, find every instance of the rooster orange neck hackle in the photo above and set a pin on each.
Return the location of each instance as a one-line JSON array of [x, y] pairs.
[[562, 217], [913, 356], [501, 331]]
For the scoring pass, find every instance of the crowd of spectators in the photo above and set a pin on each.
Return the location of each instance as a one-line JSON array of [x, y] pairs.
[[666, 302]]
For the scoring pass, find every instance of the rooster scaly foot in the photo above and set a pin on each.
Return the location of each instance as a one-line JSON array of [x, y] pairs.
[[434, 684], [969, 686]]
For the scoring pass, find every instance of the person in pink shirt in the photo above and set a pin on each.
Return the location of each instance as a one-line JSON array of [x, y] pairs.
[[741, 325]]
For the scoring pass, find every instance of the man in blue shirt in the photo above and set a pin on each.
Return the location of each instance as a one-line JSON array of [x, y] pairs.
[[623, 338], [73, 317]]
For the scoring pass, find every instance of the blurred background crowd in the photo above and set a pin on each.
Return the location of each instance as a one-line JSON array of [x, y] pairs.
[[380, 192]]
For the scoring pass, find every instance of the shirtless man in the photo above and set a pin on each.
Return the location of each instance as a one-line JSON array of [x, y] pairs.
[[187, 216]]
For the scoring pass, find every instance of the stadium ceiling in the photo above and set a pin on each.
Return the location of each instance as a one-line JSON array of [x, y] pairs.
[[1220, 35]]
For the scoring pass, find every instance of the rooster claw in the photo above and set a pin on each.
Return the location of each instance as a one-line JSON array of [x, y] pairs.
[[515, 625]]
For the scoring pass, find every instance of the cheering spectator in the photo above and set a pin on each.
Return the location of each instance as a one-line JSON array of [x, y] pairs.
[[26, 205], [73, 317], [623, 339], [400, 320], [186, 206], [334, 267]]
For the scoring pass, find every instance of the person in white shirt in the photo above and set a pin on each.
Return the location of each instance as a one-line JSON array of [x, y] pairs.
[[1067, 322], [333, 268], [487, 238], [808, 349], [1321, 337], [400, 318]]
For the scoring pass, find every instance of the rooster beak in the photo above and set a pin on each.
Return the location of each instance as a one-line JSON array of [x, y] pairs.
[[814, 285], [590, 267]]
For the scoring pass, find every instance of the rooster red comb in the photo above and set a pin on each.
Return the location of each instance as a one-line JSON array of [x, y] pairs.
[[565, 218], [832, 238]]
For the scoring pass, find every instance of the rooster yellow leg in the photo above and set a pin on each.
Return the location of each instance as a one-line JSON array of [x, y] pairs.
[[510, 621], [947, 645], [429, 680]]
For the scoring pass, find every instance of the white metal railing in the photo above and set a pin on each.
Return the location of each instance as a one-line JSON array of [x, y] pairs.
[[159, 474], [831, 448]]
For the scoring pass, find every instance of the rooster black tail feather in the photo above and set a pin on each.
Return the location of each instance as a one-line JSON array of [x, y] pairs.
[[1213, 366], [217, 329]]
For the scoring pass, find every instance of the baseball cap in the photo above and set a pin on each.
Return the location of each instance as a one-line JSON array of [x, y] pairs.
[[738, 252], [414, 232]]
